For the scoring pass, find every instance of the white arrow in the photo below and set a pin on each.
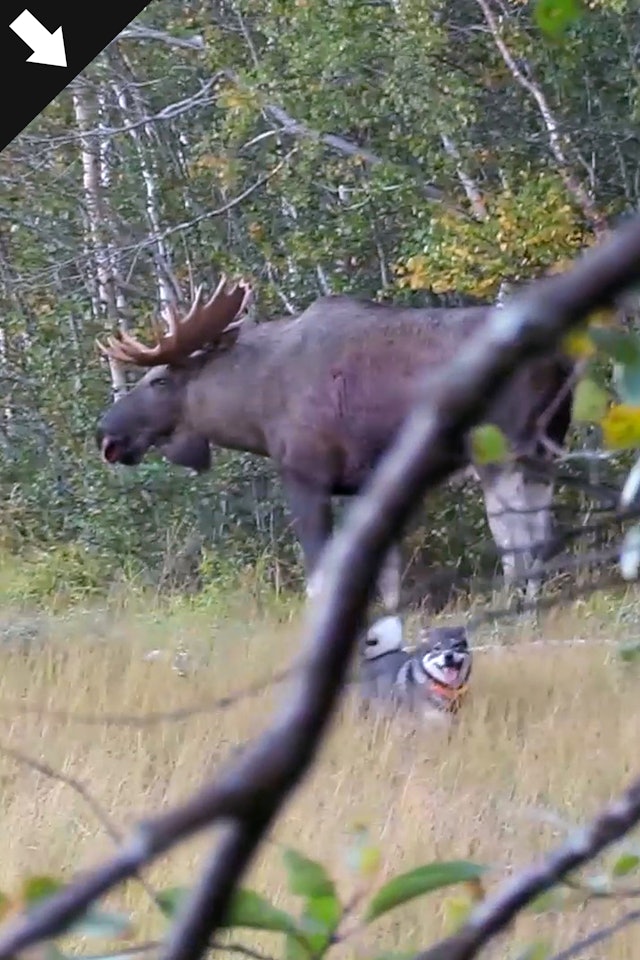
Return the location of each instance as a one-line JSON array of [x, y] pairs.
[[47, 47]]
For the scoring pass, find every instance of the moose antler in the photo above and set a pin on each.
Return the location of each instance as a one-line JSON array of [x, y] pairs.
[[204, 323]]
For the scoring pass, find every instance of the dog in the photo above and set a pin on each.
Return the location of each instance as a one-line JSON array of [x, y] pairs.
[[431, 680]]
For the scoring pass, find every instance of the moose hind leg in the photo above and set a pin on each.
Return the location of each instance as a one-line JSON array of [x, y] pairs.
[[388, 629], [520, 520]]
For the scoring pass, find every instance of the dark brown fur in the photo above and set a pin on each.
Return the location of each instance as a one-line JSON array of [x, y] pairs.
[[322, 395]]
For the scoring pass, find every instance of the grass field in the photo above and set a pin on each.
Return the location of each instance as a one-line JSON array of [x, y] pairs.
[[549, 728]]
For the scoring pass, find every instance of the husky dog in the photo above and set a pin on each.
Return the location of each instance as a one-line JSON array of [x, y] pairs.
[[431, 679]]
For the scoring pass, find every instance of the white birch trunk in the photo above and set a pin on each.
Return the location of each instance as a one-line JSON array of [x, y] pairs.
[[86, 115]]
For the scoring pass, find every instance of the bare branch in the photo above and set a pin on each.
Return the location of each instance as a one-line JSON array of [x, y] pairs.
[[297, 128], [152, 718], [556, 145], [101, 815], [598, 936], [138, 31], [209, 902]]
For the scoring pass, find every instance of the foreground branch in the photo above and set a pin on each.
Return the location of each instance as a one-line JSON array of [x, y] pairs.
[[497, 912], [253, 789]]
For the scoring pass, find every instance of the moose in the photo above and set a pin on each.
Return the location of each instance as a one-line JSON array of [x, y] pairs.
[[323, 395]]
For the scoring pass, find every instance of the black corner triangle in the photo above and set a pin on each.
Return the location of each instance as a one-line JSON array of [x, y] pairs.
[[28, 85]]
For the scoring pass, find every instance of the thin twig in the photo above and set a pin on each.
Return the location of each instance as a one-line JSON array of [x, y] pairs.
[[598, 936], [152, 718], [101, 815]]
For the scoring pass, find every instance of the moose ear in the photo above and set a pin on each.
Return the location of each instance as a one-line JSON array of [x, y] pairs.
[[188, 450]]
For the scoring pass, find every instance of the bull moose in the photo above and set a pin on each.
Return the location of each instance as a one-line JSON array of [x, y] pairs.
[[323, 395]]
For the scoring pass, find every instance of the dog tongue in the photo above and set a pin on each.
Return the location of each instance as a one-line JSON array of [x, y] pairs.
[[450, 675]]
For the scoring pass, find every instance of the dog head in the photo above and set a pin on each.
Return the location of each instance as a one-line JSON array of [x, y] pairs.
[[446, 656]]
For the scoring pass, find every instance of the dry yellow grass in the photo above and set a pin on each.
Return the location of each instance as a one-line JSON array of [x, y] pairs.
[[547, 728]]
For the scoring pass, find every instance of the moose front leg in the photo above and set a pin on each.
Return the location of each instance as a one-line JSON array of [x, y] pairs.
[[312, 521], [390, 578]]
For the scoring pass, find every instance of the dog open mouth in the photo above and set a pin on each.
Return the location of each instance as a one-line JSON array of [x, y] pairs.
[[446, 670], [451, 676]]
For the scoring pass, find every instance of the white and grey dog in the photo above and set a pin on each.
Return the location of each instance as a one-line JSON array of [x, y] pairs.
[[432, 678]]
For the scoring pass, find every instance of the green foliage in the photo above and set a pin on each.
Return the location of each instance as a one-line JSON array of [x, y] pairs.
[[530, 225], [625, 864], [629, 652], [385, 80], [415, 883], [590, 401], [489, 444], [306, 937], [310, 934], [554, 17]]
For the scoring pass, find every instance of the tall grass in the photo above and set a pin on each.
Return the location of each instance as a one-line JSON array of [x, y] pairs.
[[547, 728]]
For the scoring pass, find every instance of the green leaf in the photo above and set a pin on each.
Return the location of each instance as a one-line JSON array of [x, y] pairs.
[[52, 952], [537, 950], [625, 864], [297, 949], [306, 877], [94, 923], [415, 883], [629, 651], [626, 377], [590, 402], [251, 910], [363, 857], [319, 922], [170, 900], [599, 884], [394, 956], [489, 444], [620, 345], [554, 899], [554, 17], [39, 888], [456, 912], [100, 923]]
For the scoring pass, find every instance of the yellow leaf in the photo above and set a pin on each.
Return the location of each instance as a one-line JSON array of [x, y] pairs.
[[578, 344], [602, 318], [621, 427], [456, 910]]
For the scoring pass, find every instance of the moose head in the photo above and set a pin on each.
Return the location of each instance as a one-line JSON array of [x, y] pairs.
[[152, 413]]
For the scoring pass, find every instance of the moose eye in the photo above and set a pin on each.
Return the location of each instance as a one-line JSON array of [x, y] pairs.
[[160, 382]]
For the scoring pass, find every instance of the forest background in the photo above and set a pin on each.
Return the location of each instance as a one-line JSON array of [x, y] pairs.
[[420, 151]]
